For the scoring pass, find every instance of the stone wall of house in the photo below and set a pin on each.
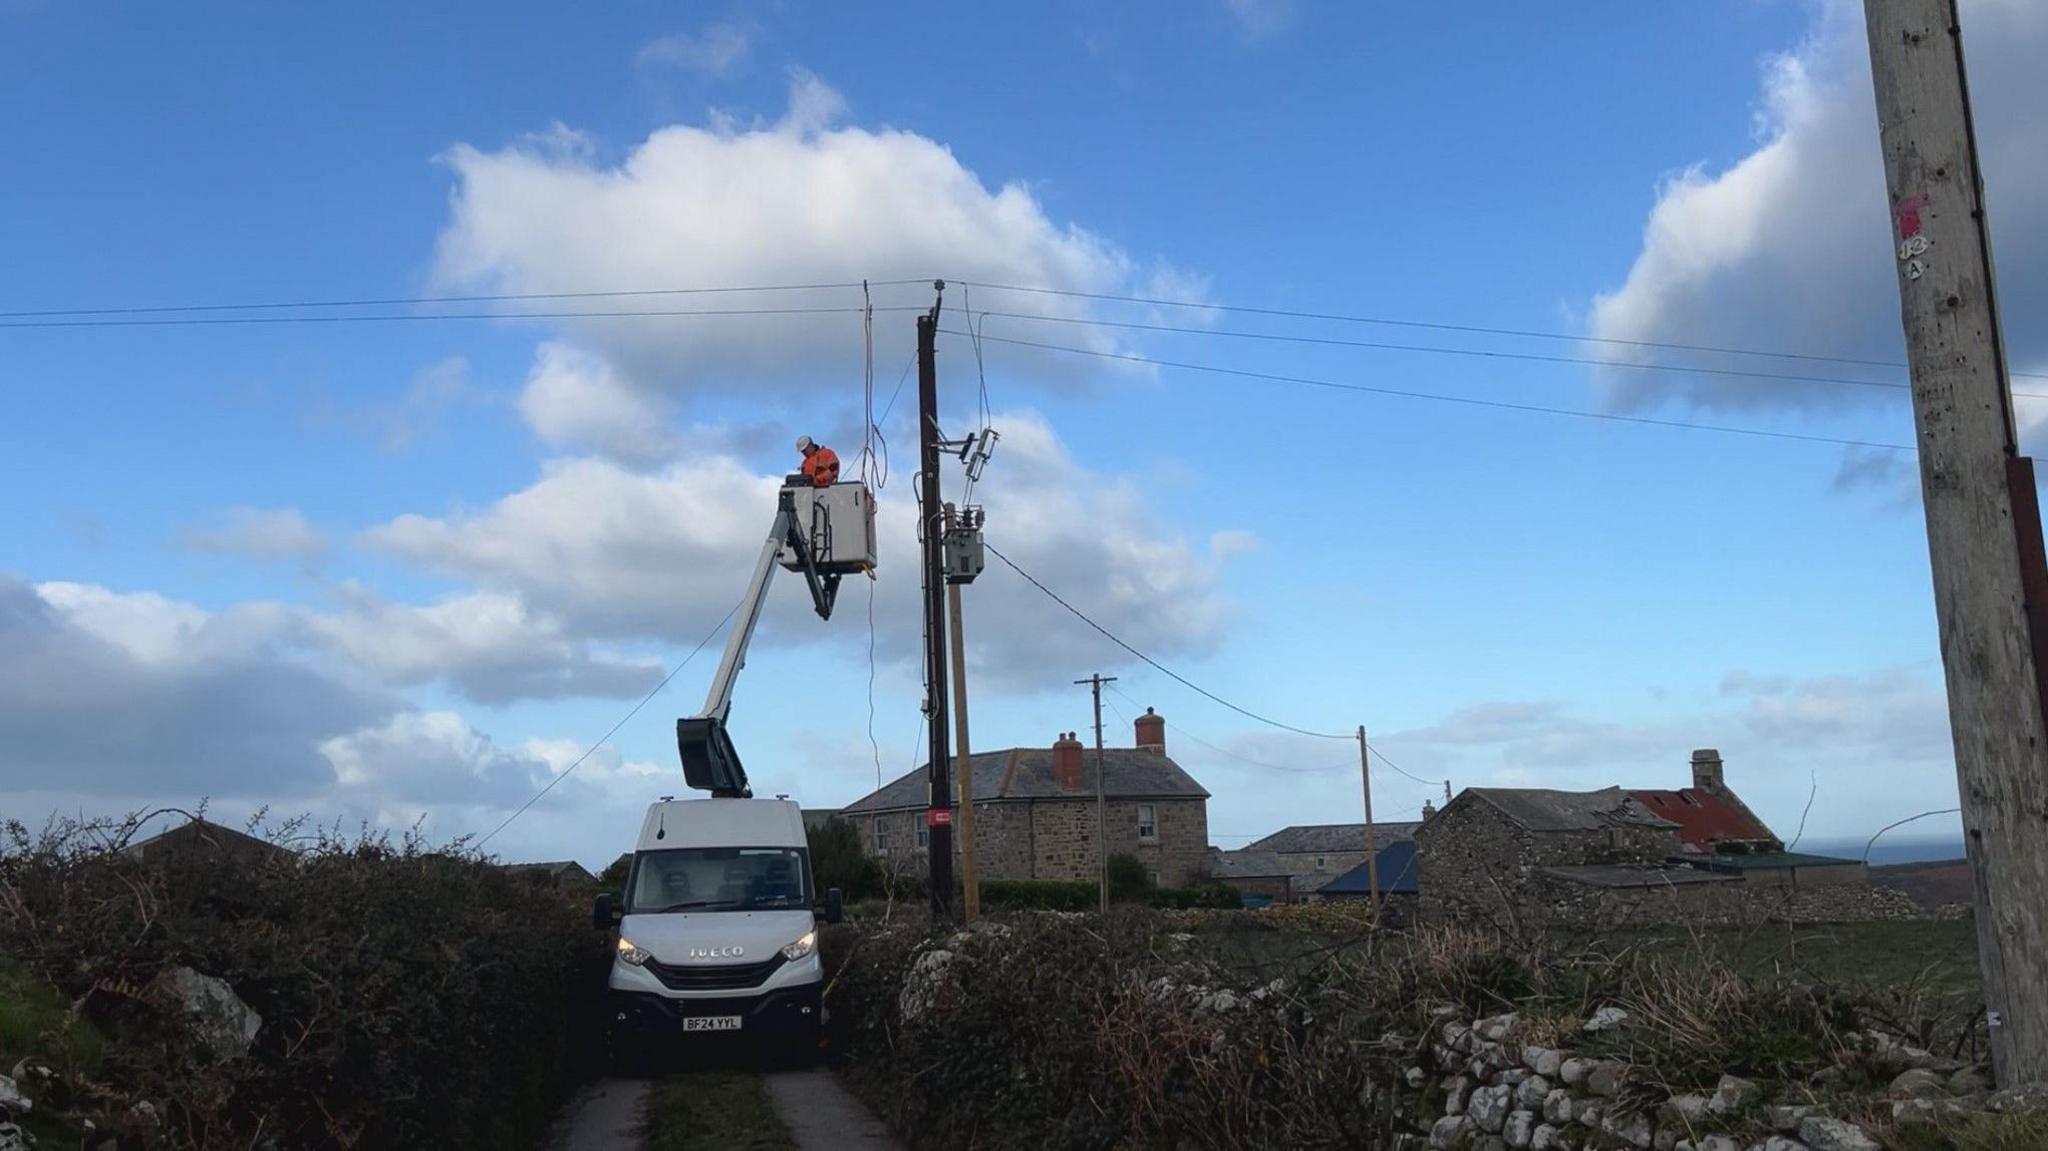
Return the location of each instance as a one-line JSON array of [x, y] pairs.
[[1471, 859], [1803, 877], [1561, 900], [1055, 838], [1334, 863], [1273, 887]]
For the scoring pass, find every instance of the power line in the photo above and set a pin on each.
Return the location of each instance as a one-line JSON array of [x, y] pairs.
[[1474, 329], [1402, 771], [396, 301], [592, 749], [407, 317], [1180, 731], [1470, 401], [1156, 665], [1479, 353]]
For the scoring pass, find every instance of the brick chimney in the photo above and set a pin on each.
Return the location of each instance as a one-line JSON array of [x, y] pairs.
[[1706, 771], [1428, 809], [1066, 762], [1152, 732]]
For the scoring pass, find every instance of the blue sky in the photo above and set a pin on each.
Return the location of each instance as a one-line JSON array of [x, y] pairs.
[[408, 568]]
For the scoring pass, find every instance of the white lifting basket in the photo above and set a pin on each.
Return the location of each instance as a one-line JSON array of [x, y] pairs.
[[839, 523]]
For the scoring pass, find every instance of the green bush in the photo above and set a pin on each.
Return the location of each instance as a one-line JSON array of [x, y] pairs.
[[1206, 895], [410, 997], [839, 860], [1042, 894], [1130, 881]]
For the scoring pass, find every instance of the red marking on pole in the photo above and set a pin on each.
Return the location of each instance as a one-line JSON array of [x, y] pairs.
[[1906, 214], [938, 817]]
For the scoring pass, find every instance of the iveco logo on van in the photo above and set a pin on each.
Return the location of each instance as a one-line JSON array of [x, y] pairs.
[[733, 952]]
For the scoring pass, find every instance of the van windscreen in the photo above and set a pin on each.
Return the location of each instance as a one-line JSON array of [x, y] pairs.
[[719, 879]]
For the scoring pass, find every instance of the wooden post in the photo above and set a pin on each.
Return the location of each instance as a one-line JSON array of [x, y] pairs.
[[1095, 683], [1372, 859], [963, 761], [1962, 411], [938, 814]]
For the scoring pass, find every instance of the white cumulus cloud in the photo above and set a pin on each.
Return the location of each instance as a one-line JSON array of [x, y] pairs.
[[802, 199], [1789, 248], [615, 552]]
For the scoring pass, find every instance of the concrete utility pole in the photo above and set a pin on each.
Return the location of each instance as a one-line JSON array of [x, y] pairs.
[[970, 886], [1095, 683], [1983, 524], [939, 794], [1372, 859]]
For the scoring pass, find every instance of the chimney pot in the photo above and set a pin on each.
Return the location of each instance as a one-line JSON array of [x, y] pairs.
[[1066, 762], [1152, 732], [1706, 770], [1428, 809]]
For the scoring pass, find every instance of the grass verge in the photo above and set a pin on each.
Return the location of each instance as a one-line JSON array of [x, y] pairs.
[[714, 1111]]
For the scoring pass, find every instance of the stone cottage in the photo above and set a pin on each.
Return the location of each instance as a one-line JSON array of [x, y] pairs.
[[1616, 854], [1489, 845], [1035, 812], [1329, 849]]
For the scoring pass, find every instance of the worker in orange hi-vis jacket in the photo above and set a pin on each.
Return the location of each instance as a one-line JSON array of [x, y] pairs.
[[821, 464]]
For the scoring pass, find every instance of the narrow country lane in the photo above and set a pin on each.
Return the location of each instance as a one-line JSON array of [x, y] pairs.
[[604, 1116], [823, 1116]]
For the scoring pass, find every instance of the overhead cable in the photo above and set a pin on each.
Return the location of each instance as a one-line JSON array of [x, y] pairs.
[[592, 749], [1156, 665], [1439, 397]]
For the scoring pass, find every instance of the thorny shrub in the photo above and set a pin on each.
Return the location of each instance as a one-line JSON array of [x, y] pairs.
[[1206, 1030], [411, 996]]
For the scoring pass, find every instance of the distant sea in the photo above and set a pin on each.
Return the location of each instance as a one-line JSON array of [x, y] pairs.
[[1888, 849]]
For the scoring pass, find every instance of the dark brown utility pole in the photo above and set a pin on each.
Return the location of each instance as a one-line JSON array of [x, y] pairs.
[[938, 814], [1372, 858], [1983, 522]]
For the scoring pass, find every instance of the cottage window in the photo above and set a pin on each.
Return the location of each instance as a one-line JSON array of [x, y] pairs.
[[881, 841], [924, 835], [1148, 823], [1322, 862]]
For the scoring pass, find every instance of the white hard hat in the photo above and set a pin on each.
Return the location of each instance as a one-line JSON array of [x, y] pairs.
[[803, 443]]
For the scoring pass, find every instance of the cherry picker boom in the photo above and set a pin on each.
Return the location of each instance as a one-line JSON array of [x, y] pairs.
[[823, 529]]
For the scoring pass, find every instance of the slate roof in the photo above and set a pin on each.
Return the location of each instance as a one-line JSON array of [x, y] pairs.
[[1772, 861], [1327, 838], [1245, 863], [205, 835], [1541, 809], [1706, 819], [1397, 874], [1621, 876], [557, 869], [1026, 773]]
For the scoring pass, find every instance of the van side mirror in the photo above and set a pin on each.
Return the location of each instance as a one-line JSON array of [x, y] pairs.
[[835, 905], [603, 915]]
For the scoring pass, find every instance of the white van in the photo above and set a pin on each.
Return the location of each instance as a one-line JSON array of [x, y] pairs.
[[717, 936]]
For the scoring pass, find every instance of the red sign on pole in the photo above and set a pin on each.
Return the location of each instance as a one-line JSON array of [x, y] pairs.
[[938, 817]]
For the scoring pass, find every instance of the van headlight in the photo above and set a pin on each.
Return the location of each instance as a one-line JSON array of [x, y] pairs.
[[633, 953], [802, 948]]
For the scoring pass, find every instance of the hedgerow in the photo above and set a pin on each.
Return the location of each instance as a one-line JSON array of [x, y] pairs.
[[410, 997], [1249, 1029]]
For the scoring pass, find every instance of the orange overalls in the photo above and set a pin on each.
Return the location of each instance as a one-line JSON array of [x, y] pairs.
[[821, 464]]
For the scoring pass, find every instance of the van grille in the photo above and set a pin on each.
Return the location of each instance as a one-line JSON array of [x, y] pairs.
[[719, 977]]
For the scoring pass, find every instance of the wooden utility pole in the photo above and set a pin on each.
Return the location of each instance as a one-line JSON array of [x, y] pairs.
[[1983, 526], [1095, 683], [939, 792], [1372, 858], [970, 886]]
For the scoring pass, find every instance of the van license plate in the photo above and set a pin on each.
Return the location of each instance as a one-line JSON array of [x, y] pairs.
[[711, 1023]]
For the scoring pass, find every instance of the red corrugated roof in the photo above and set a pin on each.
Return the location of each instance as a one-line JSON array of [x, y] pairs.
[[1705, 819]]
